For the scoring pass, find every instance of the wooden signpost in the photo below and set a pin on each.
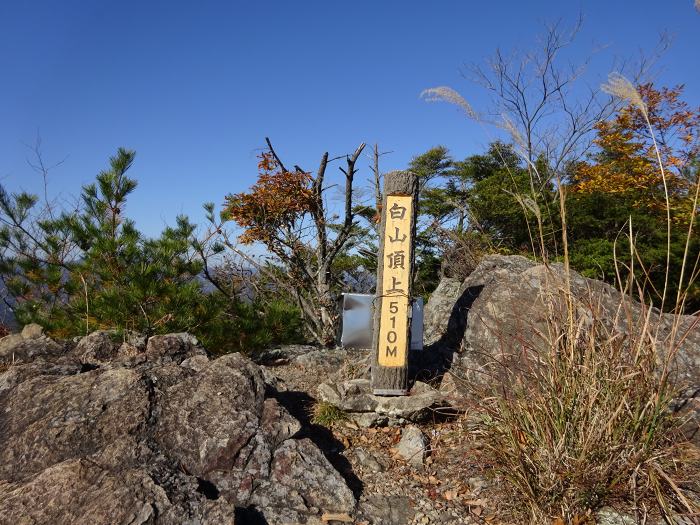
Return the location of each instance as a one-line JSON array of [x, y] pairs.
[[392, 306]]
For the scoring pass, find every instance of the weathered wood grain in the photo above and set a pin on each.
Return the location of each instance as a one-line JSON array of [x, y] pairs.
[[393, 380]]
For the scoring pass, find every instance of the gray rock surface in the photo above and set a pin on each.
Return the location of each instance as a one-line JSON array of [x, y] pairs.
[[367, 460], [437, 322], [165, 436], [32, 331], [610, 516], [453, 388], [501, 306], [355, 397], [413, 447], [328, 357], [27, 344], [502, 303], [16, 347], [97, 348], [388, 510], [283, 354]]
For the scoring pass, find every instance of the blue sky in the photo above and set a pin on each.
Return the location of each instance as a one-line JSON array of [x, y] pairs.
[[194, 87]]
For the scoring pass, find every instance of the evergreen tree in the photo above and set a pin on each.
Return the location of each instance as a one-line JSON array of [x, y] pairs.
[[75, 272]]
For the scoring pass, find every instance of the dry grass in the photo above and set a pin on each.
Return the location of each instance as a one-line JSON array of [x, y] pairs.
[[327, 414], [586, 415]]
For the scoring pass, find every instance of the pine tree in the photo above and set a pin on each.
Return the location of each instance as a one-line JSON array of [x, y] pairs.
[[90, 268]]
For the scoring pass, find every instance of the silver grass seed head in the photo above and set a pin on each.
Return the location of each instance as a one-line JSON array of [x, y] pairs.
[[513, 131], [620, 87], [449, 95]]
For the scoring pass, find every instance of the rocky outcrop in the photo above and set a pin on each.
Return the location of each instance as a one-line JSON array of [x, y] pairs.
[[504, 304], [132, 431], [28, 344]]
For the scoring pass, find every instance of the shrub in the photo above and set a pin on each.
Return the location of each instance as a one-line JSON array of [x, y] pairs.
[[257, 325]]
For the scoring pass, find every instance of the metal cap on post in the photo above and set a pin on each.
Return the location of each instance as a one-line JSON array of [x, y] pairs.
[[392, 316]]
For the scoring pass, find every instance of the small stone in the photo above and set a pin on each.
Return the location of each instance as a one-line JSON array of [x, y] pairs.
[[413, 446], [476, 485], [609, 516], [196, 363], [368, 419], [367, 460], [32, 331]]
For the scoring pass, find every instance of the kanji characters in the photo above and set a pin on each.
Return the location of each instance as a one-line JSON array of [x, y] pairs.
[[397, 259], [396, 237], [395, 284], [397, 212]]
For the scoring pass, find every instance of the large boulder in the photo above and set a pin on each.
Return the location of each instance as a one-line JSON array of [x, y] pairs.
[[507, 299], [505, 303], [162, 435]]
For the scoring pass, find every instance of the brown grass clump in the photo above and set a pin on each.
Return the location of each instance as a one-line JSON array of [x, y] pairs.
[[587, 416], [584, 414]]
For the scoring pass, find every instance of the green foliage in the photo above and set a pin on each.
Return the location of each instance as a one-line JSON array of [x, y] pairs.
[[92, 269], [427, 275], [501, 201], [598, 223], [480, 204], [434, 206], [492, 195], [253, 326], [326, 414], [430, 165]]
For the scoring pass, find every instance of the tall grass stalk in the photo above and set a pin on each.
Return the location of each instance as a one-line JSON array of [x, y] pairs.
[[586, 414]]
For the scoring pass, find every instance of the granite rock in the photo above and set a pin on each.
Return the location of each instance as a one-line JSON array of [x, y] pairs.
[[89, 435]]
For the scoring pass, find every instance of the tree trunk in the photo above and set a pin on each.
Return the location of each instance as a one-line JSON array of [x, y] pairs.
[[328, 311]]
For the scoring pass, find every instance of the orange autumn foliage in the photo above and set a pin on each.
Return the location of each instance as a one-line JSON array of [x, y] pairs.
[[275, 202], [626, 160]]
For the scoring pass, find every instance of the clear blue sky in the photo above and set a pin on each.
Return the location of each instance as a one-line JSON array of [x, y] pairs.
[[194, 87]]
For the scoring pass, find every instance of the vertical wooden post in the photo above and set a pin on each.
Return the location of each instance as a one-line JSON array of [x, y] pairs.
[[392, 305]]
